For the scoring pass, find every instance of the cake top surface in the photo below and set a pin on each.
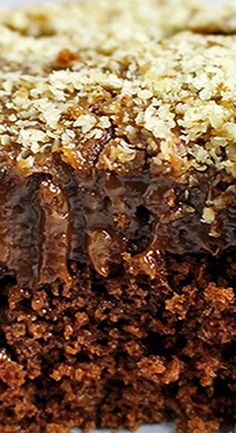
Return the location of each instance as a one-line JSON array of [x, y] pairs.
[[120, 86]]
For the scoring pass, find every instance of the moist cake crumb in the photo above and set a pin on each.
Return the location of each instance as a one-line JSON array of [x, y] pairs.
[[117, 215]]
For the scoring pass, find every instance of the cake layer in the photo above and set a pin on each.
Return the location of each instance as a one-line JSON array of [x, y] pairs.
[[117, 300], [117, 216], [121, 350]]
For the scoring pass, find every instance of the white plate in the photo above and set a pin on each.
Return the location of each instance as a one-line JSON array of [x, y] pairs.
[[4, 3], [157, 428], [161, 428]]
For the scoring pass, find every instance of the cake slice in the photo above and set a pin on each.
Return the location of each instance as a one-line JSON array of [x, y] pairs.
[[117, 216]]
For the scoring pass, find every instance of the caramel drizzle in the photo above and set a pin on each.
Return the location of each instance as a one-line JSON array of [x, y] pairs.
[[25, 229], [46, 222], [6, 185], [41, 228], [77, 225], [55, 232]]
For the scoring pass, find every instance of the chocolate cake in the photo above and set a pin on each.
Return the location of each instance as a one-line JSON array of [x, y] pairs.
[[117, 216]]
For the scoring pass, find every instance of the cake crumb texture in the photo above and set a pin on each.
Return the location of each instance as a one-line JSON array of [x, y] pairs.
[[88, 355], [117, 215]]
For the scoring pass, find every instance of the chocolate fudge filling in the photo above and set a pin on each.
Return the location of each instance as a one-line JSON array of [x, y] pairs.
[[102, 219]]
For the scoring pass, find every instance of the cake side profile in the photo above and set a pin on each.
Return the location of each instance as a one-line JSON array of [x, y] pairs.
[[117, 216]]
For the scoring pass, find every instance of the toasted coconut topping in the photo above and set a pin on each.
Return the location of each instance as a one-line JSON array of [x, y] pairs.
[[119, 85]]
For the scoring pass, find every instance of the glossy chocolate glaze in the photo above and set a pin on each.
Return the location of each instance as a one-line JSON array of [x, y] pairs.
[[52, 223]]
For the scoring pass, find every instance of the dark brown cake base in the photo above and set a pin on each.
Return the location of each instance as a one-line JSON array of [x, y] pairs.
[[101, 323], [121, 351], [117, 216]]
